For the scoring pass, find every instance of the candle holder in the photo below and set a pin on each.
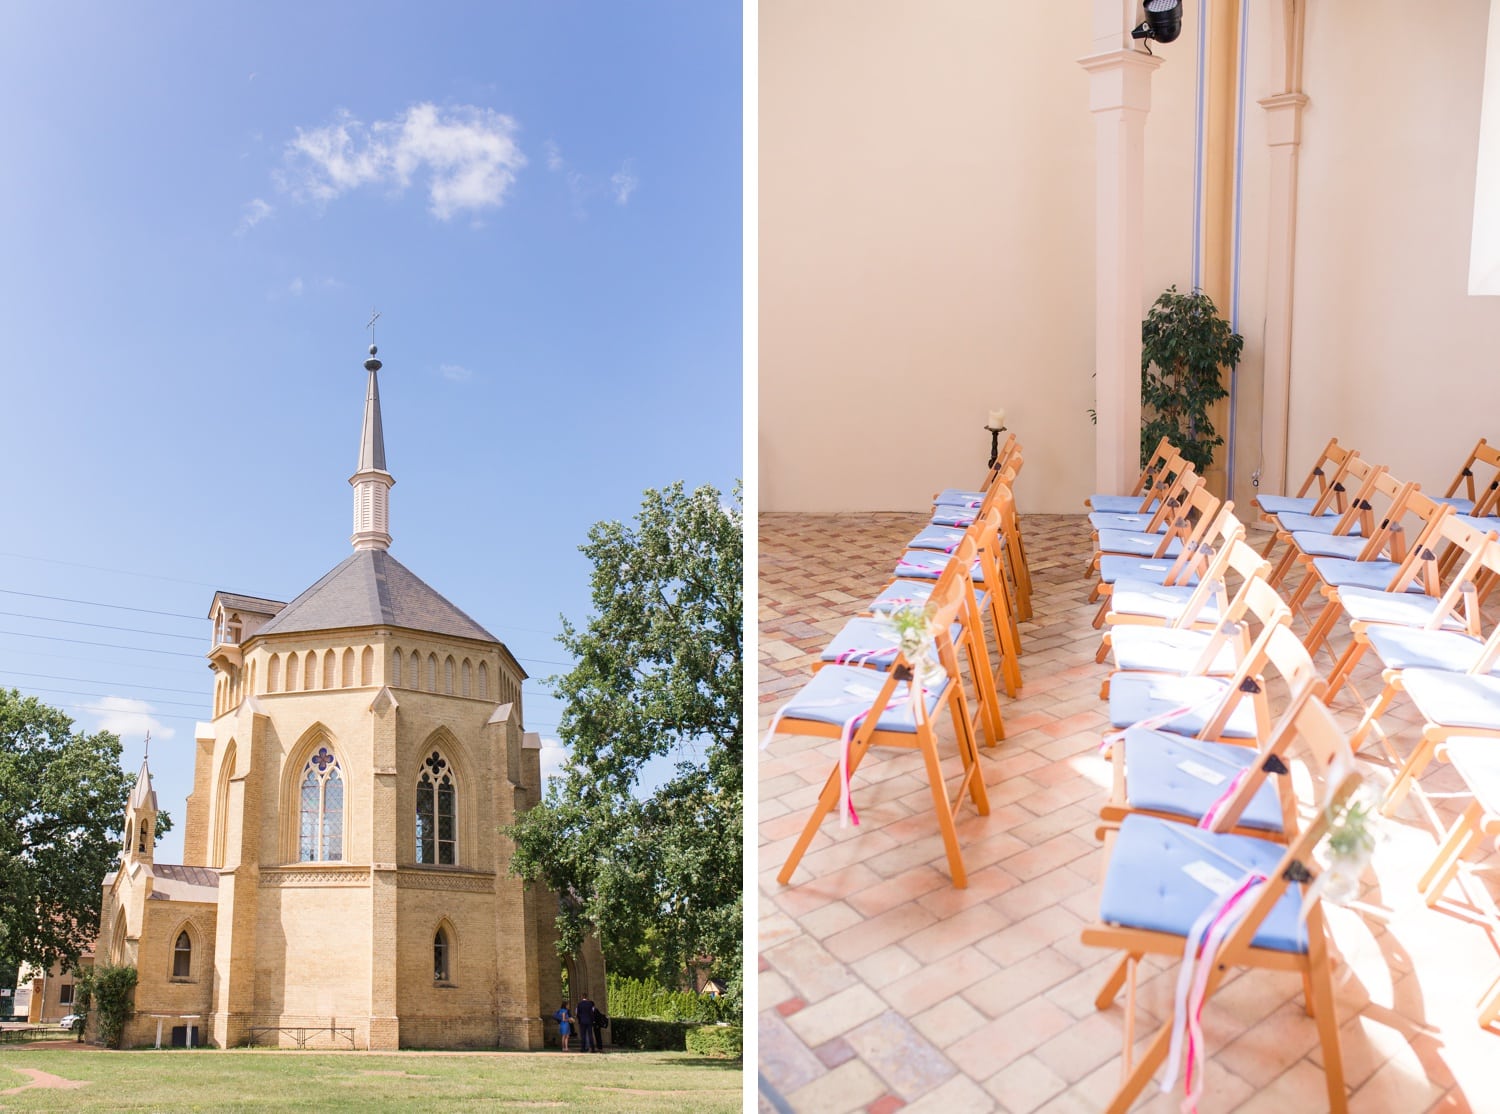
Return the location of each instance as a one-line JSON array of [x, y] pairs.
[[995, 432]]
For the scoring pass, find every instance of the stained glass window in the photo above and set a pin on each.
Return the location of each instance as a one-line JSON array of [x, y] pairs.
[[320, 833], [437, 808]]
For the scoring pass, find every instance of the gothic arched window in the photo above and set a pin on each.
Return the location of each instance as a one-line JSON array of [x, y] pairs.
[[436, 806], [321, 833], [182, 956], [441, 970]]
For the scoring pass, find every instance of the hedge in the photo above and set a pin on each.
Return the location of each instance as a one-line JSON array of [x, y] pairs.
[[717, 1040], [644, 998], [648, 1036]]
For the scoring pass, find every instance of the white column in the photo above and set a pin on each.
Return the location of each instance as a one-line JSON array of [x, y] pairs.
[[1284, 136], [1119, 98]]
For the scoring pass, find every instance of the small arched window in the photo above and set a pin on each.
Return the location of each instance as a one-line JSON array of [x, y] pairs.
[[436, 804], [129, 833], [309, 671], [291, 673], [367, 666], [468, 675], [321, 808], [273, 673], [441, 959], [328, 681], [348, 677], [448, 676], [416, 671], [432, 673], [484, 681], [182, 956], [396, 668]]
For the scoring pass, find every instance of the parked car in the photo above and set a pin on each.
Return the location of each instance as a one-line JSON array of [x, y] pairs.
[[73, 1022]]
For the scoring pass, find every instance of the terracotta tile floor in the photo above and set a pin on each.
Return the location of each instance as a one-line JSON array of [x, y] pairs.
[[883, 988]]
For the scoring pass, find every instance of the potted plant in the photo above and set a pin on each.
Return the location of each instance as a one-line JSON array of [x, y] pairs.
[[1185, 348]]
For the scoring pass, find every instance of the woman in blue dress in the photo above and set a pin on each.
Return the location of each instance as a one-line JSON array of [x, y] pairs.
[[564, 1024]]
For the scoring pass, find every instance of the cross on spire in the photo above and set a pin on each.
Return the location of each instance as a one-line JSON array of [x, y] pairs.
[[148, 747], [370, 324]]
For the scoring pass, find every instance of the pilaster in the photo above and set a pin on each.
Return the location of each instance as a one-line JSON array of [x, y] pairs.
[[385, 1028], [1119, 98]]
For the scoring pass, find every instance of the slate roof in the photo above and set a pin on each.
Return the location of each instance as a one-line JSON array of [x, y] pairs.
[[370, 588], [174, 882], [255, 605]]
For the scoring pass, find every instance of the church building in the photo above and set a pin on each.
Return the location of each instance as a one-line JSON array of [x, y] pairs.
[[345, 881]]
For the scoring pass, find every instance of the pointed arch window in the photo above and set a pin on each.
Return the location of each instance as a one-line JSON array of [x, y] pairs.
[[437, 822], [321, 833], [182, 956], [441, 957]]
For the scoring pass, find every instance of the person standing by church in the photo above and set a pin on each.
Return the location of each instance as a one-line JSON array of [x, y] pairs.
[[564, 1024], [586, 1022]]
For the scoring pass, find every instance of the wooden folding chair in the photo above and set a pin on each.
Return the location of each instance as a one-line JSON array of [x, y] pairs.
[[1185, 516], [1197, 606], [1330, 463], [1468, 494], [1001, 493], [1427, 625], [863, 709], [1356, 520], [1160, 877], [1182, 569], [957, 497], [1141, 498]]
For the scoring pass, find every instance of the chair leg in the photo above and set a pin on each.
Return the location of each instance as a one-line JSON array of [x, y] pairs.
[[1325, 1016], [1111, 988], [1144, 1069], [1408, 774], [1373, 713], [1456, 844], [928, 745], [828, 800], [1344, 669], [968, 753], [1489, 1005]]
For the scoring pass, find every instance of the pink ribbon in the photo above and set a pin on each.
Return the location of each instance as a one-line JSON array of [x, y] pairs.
[[1212, 813]]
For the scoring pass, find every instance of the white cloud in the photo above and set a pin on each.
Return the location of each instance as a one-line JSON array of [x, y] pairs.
[[554, 758], [294, 288], [455, 373], [255, 212], [554, 156], [624, 182], [467, 155], [128, 717]]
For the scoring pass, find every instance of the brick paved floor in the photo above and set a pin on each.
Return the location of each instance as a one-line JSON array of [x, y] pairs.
[[884, 988]]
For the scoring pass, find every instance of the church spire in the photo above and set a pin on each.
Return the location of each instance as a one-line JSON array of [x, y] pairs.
[[372, 483], [140, 815]]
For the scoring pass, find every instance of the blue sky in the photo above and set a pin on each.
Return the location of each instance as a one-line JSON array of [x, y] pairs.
[[199, 205]]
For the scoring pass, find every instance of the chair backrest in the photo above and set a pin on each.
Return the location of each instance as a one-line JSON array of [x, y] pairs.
[[1198, 555], [1388, 532], [1483, 455], [1421, 561], [1331, 459], [1363, 477], [1157, 466], [1239, 557], [1481, 562], [1265, 605], [1272, 760]]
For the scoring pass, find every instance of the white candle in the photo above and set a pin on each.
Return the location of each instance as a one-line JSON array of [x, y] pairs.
[[997, 418]]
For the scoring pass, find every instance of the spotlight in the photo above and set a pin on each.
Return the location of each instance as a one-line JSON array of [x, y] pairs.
[[1163, 21]]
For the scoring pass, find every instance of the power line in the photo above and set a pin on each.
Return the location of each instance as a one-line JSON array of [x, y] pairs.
[[105, 568], [97, 603], [104, 626], [75, 692], [98, 661], [97, 710], [91, 681], [106, 645]]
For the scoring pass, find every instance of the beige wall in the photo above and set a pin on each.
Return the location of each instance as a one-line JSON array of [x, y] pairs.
[[926, 244], [1389, 351]]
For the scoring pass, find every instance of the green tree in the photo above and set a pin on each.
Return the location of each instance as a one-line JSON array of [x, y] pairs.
[[1185, 349], [658, 681], [62, 811]]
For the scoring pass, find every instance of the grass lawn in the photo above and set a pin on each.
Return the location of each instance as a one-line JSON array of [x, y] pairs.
[[249, 1080]]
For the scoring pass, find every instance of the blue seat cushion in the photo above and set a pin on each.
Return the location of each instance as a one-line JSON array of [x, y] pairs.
[[1137, 597], [1117, 566], [1135, 544], [1147, 885], [944, 539], [1122, 504], [1455, 699], [961, 517], [1137, 696], [1477, 761], [838, 693], [1289, 504], [1142, 649], [1410, 609], [925, 564], [1314, 523], [954, 497], [1457, 502], [1184, 777], [1414, 648], [1317, 544], [869, 641], [1338, 572], [1487, 523], [1114, 520], [902, 593]]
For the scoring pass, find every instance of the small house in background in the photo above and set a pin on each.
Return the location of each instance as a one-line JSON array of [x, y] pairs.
[[45, 997], [713, 988]]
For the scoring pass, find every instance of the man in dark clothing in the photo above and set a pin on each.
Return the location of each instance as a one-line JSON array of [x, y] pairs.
[[586, 1023], [601, 1022]]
